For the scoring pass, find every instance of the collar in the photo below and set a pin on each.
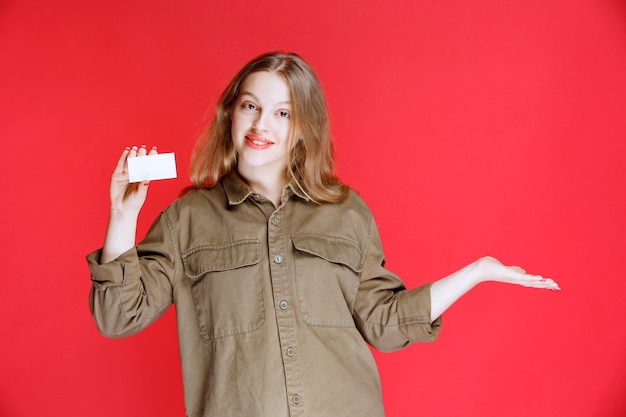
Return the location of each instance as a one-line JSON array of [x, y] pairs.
[[237, 191]]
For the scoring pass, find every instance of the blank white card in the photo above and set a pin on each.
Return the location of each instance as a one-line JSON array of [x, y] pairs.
[[152, 167]]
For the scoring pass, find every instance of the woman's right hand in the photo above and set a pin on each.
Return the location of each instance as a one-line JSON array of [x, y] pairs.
[[126, 202], [128, 198]]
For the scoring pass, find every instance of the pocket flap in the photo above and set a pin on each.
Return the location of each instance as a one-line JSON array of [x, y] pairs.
[[206, 258], [331, 248]]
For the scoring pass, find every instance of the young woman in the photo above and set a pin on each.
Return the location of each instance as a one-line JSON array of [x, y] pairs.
[[275, 267]]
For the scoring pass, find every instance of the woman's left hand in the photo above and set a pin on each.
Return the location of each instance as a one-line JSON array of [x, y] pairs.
[[490, 269], [446, 291]]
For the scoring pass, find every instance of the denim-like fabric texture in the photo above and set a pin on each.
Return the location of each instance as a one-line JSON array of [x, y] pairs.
[[274, 305]]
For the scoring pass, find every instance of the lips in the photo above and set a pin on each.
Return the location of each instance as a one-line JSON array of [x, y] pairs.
[[258, 142]]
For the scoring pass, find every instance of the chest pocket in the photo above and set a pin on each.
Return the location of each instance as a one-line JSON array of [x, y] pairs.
[[226, 288], [327, 279]]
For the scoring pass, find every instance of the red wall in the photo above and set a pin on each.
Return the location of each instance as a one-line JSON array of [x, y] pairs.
[[471, 128]]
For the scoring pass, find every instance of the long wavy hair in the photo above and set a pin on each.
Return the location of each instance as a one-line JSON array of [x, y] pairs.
[[310, 162]]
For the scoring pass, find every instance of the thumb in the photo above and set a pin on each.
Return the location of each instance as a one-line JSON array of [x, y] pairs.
[[142, 191]]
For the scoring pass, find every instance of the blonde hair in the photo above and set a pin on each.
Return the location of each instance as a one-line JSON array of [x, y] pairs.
[[310, 162]]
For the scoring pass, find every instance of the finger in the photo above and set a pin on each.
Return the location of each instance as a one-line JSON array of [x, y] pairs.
[[142, 190], [551, 284], [119, 167], [537, 281], [133, 152], [518, 276], [142, 151], [153, 151]]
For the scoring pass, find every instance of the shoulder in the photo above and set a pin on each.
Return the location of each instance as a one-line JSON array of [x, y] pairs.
[[353, 205], [204, 199]]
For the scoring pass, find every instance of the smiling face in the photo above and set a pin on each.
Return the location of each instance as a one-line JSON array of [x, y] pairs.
[[261, 122]]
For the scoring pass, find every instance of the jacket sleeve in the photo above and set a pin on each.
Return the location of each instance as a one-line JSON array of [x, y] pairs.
[[130, 292], [388, 315]]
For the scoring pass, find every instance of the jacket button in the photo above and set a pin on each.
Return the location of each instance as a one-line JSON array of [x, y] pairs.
[[275, 221], [296, 398], [283, 305], [278, 259], [290, 352]]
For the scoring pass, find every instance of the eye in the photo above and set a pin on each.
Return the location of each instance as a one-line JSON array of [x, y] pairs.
[[246, 105], [284, 114]]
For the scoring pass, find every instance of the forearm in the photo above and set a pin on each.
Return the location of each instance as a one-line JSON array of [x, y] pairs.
[[446, 291], [125, 296], [120, 235]]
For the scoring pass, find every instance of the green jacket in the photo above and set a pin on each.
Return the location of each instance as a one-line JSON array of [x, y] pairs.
[[274, 305]]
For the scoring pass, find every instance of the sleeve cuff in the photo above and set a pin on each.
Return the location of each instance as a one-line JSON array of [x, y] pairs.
[[116, 273], [414, 312]]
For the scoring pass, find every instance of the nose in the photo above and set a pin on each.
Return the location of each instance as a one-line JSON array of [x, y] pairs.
[[260, 123]]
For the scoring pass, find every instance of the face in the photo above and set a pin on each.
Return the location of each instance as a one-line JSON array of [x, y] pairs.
[[261, 119]]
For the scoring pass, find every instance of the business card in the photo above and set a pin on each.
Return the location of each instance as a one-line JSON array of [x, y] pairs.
[[152, 167]]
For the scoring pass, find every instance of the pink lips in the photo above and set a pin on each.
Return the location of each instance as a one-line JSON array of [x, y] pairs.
[[258, 142]]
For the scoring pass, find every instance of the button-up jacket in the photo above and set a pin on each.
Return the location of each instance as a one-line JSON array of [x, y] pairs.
[[274, 305]]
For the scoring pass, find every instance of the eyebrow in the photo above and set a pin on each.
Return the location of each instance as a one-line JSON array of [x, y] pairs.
[[247, 93]]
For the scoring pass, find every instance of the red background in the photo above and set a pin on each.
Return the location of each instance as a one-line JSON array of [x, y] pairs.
[[470, 128]]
